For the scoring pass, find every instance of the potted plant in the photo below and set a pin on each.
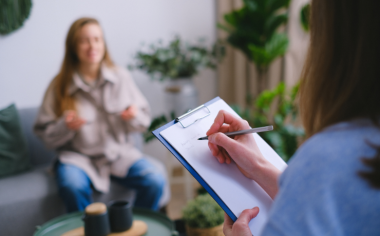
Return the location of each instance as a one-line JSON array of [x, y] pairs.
[[253, 29], [203, 217], [177, 62]]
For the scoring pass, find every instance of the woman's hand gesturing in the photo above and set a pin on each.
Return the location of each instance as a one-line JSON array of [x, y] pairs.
[[129, 113], [73, 121]]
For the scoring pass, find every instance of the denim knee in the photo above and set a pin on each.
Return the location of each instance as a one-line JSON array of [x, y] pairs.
[[72, 179], [155, 181], [75, 188]]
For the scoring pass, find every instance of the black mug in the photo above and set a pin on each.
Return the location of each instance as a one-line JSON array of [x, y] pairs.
[[96, 223], [120, 215]]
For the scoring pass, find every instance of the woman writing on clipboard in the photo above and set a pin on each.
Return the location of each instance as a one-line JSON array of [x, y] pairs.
[[87, 112], [332, 184]]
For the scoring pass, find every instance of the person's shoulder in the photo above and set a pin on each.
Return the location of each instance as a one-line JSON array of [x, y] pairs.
[[121, 70], [322, 178], [117, 74], [338, 147], [49, 94], [345, 137]]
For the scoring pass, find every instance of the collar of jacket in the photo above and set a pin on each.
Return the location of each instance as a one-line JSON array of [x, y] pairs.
[[106, 74]]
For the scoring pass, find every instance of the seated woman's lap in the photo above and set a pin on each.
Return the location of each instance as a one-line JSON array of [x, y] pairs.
[[75, 186], [147, 181]]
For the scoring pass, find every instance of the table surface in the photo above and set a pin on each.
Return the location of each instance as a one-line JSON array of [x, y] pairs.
[[158, 223]]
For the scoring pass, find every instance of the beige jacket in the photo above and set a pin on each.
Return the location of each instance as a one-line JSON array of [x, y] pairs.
[[101, 147]]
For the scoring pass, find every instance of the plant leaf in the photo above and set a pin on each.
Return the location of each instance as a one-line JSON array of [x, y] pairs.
[[274, 5], [252, 5], [274, 22], [276, 46], [305, 17], [176, 59]]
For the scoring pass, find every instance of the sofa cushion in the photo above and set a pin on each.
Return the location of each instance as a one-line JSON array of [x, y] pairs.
[[37, 152], [13, 151], [34, 184]]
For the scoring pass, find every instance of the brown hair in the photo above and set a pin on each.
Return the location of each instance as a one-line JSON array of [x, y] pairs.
[[61, 83], [340, 80]]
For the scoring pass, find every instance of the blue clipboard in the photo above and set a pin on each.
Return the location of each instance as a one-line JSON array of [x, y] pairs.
[[186, 164]]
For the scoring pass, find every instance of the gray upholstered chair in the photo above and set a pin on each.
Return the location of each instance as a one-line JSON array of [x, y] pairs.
[[31, 198]]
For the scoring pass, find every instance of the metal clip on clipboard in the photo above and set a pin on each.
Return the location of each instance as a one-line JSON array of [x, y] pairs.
[[191, 112]]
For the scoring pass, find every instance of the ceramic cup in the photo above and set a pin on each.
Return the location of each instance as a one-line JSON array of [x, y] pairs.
[[96, 220], [120, 215]]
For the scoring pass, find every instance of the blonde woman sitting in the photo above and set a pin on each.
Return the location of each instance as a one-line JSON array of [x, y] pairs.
[[87, 112]]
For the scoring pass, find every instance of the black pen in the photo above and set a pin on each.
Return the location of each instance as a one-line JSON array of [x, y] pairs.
[[246, 131]]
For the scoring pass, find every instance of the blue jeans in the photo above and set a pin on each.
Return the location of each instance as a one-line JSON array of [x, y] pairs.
[[75, 186]]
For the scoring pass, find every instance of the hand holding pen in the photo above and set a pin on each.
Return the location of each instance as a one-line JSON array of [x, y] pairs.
[[243, 150], [226, 149]]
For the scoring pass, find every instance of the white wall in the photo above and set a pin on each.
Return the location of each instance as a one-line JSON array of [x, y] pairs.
[[31, 56]]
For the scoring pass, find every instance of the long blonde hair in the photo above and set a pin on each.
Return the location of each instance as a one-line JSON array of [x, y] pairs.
[[62, 99]]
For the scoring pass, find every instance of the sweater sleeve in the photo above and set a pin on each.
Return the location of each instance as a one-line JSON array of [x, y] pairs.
[[309, 191], [300, 203], [321, 193], [142, 120], [50, 129]]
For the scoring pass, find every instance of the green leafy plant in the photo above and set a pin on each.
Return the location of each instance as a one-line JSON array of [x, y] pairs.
[[155, 124], [263, 56], [304, 17], [13, 13], [285, 136], [203, 212], [253, 30], [177, 59]]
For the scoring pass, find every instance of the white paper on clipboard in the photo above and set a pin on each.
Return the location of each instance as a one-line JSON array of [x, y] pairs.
[[236, 191]]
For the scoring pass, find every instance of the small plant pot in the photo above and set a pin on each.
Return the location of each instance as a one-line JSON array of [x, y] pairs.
[[181, 95], [214, 231]]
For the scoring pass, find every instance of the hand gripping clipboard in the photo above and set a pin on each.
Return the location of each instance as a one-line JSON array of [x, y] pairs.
[[225, 183], [184, 162]]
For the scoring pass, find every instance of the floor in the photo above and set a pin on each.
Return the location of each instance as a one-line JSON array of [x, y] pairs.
[[178, 197]]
